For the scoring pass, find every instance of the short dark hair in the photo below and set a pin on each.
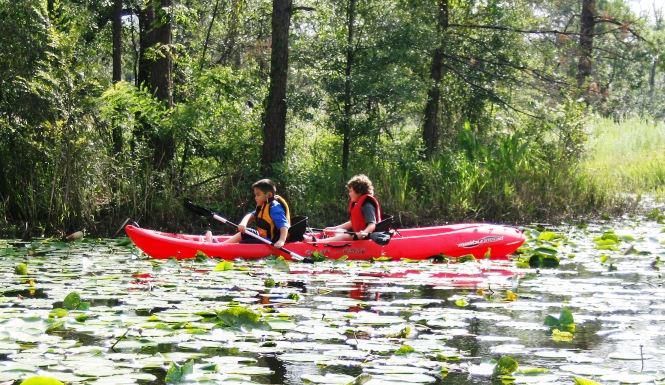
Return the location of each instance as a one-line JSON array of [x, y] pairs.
[[361, 184], [265, 185]]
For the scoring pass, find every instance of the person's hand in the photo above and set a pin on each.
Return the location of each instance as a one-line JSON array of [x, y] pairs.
[[279, 244], [241, 228], [362, 234]]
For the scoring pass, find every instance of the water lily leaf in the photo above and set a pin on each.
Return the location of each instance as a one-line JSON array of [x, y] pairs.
[[237, 317], [505, 366], [176, 372], [461, 302], [561, 336], [584, 381], [72, 301], [21, 269], [550, 236], [404, 350], [546, 250], [566, 317], [41, 380], [531, 371], [224, 266]]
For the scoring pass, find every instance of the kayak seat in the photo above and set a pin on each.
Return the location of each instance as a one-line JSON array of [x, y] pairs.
[[297, 229], [385, 224]]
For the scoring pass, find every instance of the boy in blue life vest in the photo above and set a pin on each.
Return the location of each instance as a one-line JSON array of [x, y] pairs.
[[364, 211], [272, 216]]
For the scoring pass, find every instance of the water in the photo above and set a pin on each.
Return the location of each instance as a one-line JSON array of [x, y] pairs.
[[334, 322]]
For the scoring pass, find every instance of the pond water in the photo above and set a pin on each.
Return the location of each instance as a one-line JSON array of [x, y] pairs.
[[143, 321]]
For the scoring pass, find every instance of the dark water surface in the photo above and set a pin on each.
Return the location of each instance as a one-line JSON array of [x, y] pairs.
[[336, 322]]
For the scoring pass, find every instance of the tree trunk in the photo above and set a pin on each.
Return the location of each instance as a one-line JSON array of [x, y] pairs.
[[274, 125], [117, 68], [431, 126], [346, 120], [156, 73], [587, 27], [146, 40], [207, 39]]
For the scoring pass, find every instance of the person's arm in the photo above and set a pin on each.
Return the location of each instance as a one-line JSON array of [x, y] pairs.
[[369, 214], [278, 216], [244, 222], [283, 233]]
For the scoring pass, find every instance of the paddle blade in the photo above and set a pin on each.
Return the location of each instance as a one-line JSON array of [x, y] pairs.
[[197, 209], [381, 238]]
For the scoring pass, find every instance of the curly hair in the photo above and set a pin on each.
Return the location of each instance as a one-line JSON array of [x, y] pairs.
[[361, 184]]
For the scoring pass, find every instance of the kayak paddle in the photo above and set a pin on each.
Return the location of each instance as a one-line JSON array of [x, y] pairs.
[[209, 213]]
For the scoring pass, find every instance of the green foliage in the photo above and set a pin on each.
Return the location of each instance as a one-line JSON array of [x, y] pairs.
[[41, 380], [21, 269], [607, 241], [200, 256], [506, 366], [404, 350], [237, 317], [176, 373], [58, 313], [565, 322], [584, 381], [224, 266], [73, 302]]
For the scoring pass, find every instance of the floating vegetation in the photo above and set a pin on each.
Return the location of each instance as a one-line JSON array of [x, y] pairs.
[[100, 313]]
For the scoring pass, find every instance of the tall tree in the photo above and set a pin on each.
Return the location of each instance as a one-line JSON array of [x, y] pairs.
[[587, 26], [274, 124], [117, 67], [155, 72], [431, 127], [346, 120]]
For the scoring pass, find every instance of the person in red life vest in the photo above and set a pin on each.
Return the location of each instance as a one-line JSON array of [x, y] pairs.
[[364, 211], [272, 216]]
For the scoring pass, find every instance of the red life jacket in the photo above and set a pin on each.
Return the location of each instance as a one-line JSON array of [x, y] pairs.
[[356, 212]]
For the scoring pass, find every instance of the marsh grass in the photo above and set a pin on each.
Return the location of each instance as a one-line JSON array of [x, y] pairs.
[[627, 157]]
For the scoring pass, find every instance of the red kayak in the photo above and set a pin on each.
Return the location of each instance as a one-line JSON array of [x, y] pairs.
[[479, 240]]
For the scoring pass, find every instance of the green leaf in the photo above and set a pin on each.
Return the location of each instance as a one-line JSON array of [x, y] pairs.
[[72, 301], [21, 269], [41, 380], [404, 350], [550, 251], [461, 302], [200, 256], [566, 317], [224, 266], [584, 381], [58, 313], [505, 366], [176, 373], [550, 236], [551, 321], [237, 317]]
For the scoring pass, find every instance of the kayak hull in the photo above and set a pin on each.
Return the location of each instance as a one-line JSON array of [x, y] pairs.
[[479, 240]]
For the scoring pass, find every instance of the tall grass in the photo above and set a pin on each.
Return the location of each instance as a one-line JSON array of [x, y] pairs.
[[627, 157]]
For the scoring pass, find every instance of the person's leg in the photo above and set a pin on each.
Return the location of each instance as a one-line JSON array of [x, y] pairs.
[[234, 239], [208, 236], [339, 237]]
